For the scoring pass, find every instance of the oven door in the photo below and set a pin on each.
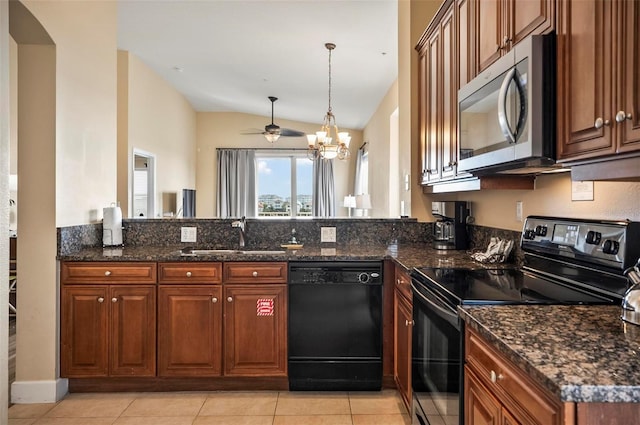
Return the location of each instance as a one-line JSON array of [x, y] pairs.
[[437, 365]]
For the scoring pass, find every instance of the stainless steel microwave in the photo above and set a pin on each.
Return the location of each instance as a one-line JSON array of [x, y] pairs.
[[507, 113]]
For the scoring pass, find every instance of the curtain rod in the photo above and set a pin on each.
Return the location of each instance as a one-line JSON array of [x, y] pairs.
[[363, 145], [264, 149]]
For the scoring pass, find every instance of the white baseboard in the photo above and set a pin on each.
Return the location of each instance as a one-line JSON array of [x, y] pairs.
[[29, 392]]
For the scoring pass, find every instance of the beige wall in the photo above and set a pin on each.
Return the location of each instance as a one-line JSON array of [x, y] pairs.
[[155, 118], [224, 130], [5, 121]]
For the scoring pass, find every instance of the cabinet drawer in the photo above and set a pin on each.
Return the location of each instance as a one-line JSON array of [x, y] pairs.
[[518, 392], [403, 283], [106, 272], [255, 272], [190, 273]]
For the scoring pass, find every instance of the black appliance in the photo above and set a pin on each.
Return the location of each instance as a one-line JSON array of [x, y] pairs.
[[450, 228], [566, 261], [335, 325]]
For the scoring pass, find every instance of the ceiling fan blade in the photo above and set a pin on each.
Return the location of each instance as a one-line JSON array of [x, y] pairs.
[[287, 132]]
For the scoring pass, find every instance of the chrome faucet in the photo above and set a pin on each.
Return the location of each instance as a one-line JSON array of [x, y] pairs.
[[241, 224]]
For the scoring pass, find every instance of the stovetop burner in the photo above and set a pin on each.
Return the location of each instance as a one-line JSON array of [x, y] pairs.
[[501, 286]]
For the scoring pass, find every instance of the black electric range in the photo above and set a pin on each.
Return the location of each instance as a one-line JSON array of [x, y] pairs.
[[566, 261]]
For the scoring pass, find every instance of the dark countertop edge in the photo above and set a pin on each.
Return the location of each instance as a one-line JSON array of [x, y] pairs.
[[565, 393]]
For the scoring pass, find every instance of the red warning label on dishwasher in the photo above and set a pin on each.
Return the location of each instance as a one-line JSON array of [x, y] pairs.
[[264, 307]]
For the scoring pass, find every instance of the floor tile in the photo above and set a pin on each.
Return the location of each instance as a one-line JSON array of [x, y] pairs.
[[165, 405], [74, 421], [154, 420], [376, 403], [234, 420], [320, 403], [29, 421], [313, 420], [23, 411], [106, 407], [381, 420], [240, 403]]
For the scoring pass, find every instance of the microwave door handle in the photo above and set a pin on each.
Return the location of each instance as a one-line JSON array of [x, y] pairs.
[[522, 118], [503, 120]]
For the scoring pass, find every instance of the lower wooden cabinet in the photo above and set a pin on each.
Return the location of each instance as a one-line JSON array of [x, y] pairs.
[[108, 330], [403, 320], [255, 328], [190, 330]]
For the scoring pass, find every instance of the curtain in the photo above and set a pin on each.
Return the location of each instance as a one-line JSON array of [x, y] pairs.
[[357, 184], [324, 204], [236, 194]]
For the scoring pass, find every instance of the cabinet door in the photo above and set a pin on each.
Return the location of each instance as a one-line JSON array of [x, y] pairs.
[[528, 17], [255, 326], [464, 31], [584, 79], [422, 114], [488, 32], [133, 331], [433, 97], [403, 319], [449, 90], [84, 333], [189, 330], [508, 419], [480, 407], [630, 79]]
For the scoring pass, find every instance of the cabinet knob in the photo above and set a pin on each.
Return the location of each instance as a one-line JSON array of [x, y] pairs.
[[214, 300], [601, 123], [229, 299], [107, 273], [188, 274], [254, 274], [621, 116], [409, 322], [114, 300], [495, 377], [100, 300]]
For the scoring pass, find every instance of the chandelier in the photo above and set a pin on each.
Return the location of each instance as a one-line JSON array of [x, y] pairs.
[[329, 142]]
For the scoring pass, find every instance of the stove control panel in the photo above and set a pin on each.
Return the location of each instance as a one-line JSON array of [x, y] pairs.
[[610, 243]]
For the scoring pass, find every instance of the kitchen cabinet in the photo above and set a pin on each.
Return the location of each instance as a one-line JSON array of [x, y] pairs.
[[598, 80], [438, 94], [190, 319], [498, 392], [107, 329], [255, 319], [403, 320], [501, 24]]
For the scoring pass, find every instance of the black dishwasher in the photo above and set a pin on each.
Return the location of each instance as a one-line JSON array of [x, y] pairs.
[[335, 325]]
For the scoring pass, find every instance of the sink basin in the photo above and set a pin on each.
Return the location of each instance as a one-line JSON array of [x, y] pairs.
[[196, 252]]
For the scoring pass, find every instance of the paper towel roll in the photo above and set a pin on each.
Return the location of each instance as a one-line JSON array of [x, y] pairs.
[[111, 226]]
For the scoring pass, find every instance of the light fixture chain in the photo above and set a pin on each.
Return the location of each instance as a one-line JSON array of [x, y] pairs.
[[330, 80]]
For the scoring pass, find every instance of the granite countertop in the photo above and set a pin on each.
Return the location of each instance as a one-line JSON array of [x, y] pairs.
[[579, 353], [407, 256]]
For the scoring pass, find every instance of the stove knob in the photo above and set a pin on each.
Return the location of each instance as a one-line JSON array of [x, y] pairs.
[[593, 238], [529, 234], [541, 230], [610, 247], [363, 277]]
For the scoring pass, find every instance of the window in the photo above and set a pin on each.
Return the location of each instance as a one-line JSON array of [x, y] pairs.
[[284, 184]]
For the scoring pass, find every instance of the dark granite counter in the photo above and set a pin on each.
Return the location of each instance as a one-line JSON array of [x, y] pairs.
[[405, 255], [579, 353]]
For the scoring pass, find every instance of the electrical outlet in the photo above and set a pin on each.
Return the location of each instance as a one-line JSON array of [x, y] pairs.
[[518, 210], [327, 234], [188, 234]]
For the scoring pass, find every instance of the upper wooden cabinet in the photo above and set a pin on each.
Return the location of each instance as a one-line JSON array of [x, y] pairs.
[[501, 24], [598, 79]]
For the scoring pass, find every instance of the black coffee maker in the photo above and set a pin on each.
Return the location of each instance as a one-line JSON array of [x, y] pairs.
[[450, 228]]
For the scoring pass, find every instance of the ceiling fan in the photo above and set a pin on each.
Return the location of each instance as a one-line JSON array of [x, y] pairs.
[[272, 131]]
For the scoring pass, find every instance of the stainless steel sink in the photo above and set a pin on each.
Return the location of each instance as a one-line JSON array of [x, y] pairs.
[[262, 252]]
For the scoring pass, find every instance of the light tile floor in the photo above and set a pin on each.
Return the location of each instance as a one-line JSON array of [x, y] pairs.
[[217, 408]]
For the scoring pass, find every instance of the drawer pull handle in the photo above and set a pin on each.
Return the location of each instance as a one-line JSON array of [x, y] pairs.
[[229, 299], [495, 377], [254, 274], [114, 300], [100, 299], [214, 300], [107, 273], [188, 274]]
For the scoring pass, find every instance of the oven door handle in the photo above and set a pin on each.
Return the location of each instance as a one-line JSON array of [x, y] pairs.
[[450, 315]]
